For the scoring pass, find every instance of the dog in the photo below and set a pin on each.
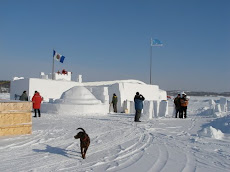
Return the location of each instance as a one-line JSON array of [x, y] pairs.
[[84, 141]]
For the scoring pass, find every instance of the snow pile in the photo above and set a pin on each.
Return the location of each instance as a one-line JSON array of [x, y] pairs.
[[212, 133], [217, 128], [222, 124]]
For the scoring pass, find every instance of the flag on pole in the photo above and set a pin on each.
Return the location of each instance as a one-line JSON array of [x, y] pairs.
[[156, 42], [58, 57]]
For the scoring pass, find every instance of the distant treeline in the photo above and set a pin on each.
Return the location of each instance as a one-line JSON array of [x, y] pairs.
[[199, 93]]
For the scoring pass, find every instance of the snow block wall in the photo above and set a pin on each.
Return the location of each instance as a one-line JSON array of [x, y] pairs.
[[18, 86], [48, 89], [223, 104], [147, 110], [228, 105], [126, 90], [212, 104], [63, 76], [132, 107], [163, 108], [156, 105], [101, 93], [150, 92], [151, 109], [217, 108]]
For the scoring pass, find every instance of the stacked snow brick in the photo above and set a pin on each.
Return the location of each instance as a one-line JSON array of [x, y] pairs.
[[223, 104], [101, 93], [218, 109], [151, 109]]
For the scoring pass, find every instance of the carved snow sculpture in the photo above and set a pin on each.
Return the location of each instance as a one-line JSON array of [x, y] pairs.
[[76, 100]]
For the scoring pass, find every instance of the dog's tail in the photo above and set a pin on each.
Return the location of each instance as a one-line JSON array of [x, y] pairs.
[[81, 129]]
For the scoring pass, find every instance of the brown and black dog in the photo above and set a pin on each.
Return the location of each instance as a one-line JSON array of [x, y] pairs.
[[84, 141]]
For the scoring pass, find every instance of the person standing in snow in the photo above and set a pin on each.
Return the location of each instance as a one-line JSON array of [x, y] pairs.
[[138, 100], [184, 104], [24, 96], [114, 102], [177, 106], [37, 99]]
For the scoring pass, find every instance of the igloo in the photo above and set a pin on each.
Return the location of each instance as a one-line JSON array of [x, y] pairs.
[[76, 100], [78, 95]]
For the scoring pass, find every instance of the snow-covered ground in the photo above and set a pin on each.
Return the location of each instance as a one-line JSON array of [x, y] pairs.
[[198, 143]]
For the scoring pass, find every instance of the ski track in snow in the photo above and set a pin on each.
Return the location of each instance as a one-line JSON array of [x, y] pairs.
[[117, 144]]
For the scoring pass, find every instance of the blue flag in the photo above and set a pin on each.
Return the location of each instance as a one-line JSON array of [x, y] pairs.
[[58, 57], [156, 42]]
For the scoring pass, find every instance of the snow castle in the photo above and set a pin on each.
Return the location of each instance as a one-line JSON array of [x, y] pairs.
[[62, 92]]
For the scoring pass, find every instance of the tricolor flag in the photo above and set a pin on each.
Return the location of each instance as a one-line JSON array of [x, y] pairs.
[[156, 42], [58, 57]]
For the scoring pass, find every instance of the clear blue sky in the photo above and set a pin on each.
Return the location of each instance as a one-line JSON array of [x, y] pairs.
[[110, 40]]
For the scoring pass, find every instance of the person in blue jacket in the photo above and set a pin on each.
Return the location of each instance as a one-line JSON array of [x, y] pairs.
[[138, 100]]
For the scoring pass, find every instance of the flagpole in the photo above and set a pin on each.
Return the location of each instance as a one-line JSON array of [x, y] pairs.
[[53, 68], [150, 61]]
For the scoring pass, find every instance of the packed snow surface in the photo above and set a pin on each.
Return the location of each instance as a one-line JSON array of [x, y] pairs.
[[198, 143]]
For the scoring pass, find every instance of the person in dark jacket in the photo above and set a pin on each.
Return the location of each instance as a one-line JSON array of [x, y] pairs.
[[138, 100], [37, 99], [24, 96], [177, 106], [114, 102], [184, 104]]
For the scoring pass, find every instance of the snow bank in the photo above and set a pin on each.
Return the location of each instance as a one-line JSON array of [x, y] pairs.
[[211, 132], [216, 128], [222, 124]]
